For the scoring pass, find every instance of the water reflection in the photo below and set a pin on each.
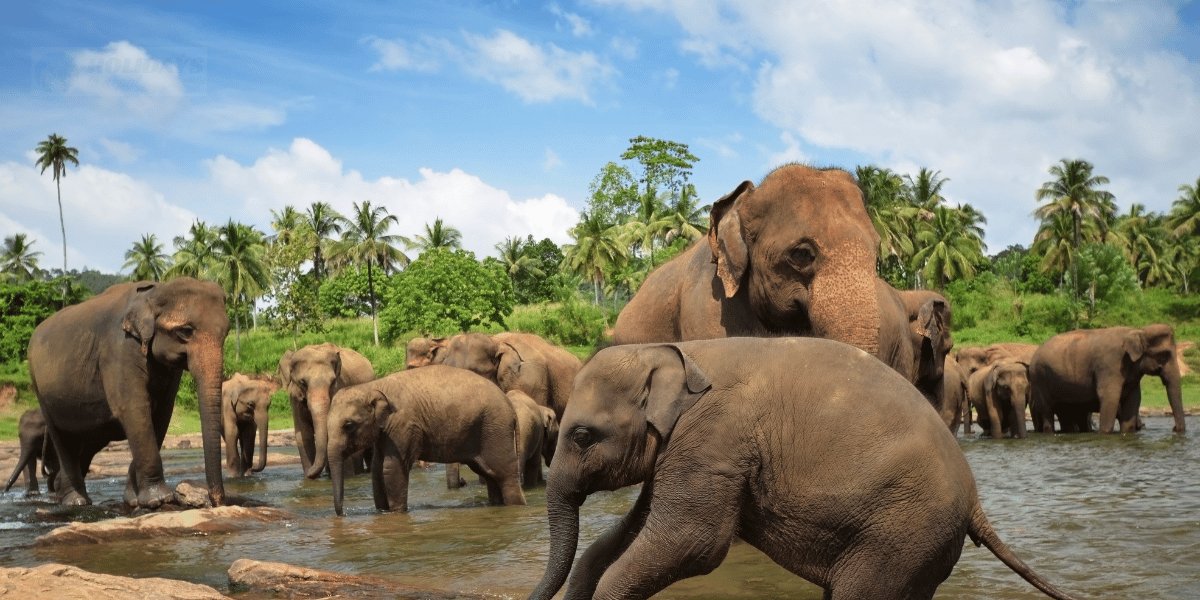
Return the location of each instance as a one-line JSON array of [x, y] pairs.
[[1100, 516]]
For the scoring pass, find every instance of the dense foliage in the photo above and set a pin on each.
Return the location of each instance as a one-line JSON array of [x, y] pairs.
[[444, 292], [22, 307]]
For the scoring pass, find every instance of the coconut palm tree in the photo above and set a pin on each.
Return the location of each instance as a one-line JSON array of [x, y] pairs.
[[1184, 218], [438, 236], [649, 223], [950, 243], [54, 154], [321, 222], [1074, 191], [147, 259], [511, 253], [1055, 242], [598, 248], [193, 252], [18, 261], [239, 266], [366, 241], [287, 225], [891, 214], [685, 217]]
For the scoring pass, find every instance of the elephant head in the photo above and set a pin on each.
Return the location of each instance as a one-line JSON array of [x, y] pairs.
[[1151, 350], [247, 400], [618, 417], [422, 352], [312, 376], [550, 423], [358, 413], [1007, 387], [802, 247], [182, 324], [475, 352]]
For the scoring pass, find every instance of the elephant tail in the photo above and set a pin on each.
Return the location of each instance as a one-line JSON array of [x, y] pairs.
[[982, 533]]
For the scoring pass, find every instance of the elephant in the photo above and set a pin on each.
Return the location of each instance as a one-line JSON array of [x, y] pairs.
[[421, 351], [1077, 373], [31, 430], [435, 414], [245, 410], [975, 357], [108, 369], [954, 409], [537, 432], [1000, 392], [794, 256], [746, 437], [312, 375]]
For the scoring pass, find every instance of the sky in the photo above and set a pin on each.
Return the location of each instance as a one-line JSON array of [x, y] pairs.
[[497, 116]]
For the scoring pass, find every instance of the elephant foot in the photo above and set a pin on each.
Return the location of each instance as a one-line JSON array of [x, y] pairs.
[[155, 495], [73, 498]]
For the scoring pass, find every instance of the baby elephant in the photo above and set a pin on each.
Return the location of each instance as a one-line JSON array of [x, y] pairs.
[[537, 432], [31, 429], [810, 450], [435, 414]]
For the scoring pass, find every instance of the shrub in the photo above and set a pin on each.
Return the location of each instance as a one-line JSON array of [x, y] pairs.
[[445, 292]]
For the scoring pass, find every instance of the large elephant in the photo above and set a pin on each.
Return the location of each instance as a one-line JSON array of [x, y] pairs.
[[312, 375], [1080, 372], [746, 438], [999, 392], [108, 369], [537, 433], [31, 431], [435, 414], [794, 256], [245, 411], [973, 358]]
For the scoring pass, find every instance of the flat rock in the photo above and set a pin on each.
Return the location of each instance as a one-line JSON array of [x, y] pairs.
[[290, 581], [204, 521], [62, 582]]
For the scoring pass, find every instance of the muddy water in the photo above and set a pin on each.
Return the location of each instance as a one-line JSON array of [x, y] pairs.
[[1101, 516]]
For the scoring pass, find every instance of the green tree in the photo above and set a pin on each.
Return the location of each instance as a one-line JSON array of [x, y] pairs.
[[23, 307], [649, 223], [1055, 243], [686, 218], [446, 291], [950, 246], [147, 259], [437, 236], [367, 242], [347, 294], [54, 154], [193, 252], [511, 254], [1106, 274], [318, 227], [239, 266], [1184, 218], [890, 213], [18, 261], [613, 193], [1075, 192], [598, 248], [547, 257], [665, 164], [294, 307]]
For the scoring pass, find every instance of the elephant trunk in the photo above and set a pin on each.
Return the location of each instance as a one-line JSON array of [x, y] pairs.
[[318, 404], [21, 464], [261, 421], [1019, 401], [562, 509], [337, 473], [206, 367], [1170, 378], [842, 287]]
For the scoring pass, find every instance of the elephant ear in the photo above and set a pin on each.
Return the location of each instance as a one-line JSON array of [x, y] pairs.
[[1134, 345], [727, 240], [139, 317], [379, 406], [933, 325], [285, 368], [675, 382]]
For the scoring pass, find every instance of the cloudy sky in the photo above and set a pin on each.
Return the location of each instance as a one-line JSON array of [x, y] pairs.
[[496, 116]]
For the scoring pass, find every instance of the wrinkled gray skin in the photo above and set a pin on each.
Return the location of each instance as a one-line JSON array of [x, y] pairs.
[[793, 256], [31, 430], [435, 414], [973, 358], [746, 437], [108, 369], [1000, 392], [955, 410], [312, 375], [537, 433], [1077, 373], [420, 352], [245, 411]]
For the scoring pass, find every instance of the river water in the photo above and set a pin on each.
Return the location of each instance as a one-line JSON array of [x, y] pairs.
[[1100, 516]]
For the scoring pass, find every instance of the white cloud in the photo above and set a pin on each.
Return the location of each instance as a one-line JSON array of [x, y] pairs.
[[402, 54], [122, 152], [237, 116], [120, 69], [580, 27], [552, 161], [626, 48]]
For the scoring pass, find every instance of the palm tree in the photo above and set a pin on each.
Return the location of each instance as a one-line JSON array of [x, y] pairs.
[[891, 214], [512, 255], [925, 192], [648, 224], [1185, 211], [238, 265], [598, 248], [438, 236], [18, 261], [193, 252], [686, 218], [1054, 241], [55, 154], [286, 224], [321, 222], [951, 243], [1074, 191], [147, 259], [366, 241]]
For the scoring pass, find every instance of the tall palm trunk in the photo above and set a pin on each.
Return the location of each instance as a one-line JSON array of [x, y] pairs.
[[62, 223], [374, 313]]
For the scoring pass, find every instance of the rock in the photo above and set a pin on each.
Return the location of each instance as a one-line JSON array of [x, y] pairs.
[[205, 521], [62, 582], [290, 581], [190, 494]]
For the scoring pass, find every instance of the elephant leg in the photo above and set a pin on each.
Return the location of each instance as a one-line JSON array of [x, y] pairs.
[[454, 478], [608, 547], [1109, 392], [246, 433], [1131, 403], [305, 438], [70, 485], [389, 475], [499, 465]]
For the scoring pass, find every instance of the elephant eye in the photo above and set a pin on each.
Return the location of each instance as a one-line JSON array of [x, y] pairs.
[[802, 257], [583, 437], [184, 332], [348, 425]]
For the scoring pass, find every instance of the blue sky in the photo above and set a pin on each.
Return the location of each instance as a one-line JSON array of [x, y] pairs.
[[496, 116]]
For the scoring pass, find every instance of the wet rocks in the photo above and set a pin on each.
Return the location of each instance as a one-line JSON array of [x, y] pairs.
[[61, 582], [291, 581], [205, 521]]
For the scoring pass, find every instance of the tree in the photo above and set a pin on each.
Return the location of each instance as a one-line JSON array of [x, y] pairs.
[[950, 245], [53, 153], [147, 259], [294, 307], [511, 253], [1184, 218], [438, 236], [19, 262], [319, 225], [193, 252], [1054, 242], [613, 193], [648, 224], [240, 268], [367, 242], [664, 163], [890, 213], [1075, 192], [23, 307], [446, 291], [598, 248], [685, 217], [532, 288]]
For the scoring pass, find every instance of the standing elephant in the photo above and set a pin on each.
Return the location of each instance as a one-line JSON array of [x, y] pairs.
[[1000, 392], [746, 437], [974, 358], [1080, 372], [31, 430], [312, 375], [245, 410], [537, 432], [794, 256], [435, 414], [108, 369], [955, 409]]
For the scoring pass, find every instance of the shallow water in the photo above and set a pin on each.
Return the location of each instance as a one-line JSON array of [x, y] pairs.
[[1100, 516]]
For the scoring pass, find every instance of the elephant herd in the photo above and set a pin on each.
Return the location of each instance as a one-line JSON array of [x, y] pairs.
[[765, 384]]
